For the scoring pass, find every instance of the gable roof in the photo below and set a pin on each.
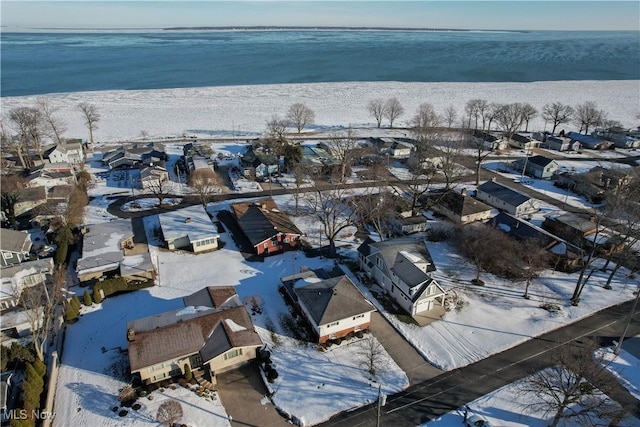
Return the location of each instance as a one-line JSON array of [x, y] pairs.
[[32, 194], [404, 267], [389, 250], [192, 221], [14, 241], [187, 331], [332, 300], [540, 160], [504, 193], [462, 205], [214, 297], [262, 220]]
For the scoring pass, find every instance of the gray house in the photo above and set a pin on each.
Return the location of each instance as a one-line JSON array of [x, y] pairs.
[[507, 199]]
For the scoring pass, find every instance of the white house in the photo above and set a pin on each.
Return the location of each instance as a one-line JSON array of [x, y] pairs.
[[401, 267], [333, 306], [189, 228], [507, 199], [67, 152]]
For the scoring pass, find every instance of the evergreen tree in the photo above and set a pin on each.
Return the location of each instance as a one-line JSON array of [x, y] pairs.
[[97, 294], [87, 299]]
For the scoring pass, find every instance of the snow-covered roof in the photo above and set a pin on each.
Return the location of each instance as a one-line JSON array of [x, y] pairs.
[[101, 245], [192, 222]]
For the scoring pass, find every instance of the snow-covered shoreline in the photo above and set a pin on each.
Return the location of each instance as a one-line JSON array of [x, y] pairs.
[[244, 110]]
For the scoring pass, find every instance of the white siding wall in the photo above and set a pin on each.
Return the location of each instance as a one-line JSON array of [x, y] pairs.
[[343, 324]]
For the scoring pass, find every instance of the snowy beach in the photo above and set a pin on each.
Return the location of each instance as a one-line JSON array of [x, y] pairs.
[[242, 111]]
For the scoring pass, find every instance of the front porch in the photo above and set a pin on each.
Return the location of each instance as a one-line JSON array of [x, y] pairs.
[[426, 317]]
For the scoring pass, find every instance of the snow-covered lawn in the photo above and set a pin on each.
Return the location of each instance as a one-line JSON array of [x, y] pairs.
[[314, 385], [90, 378], [478, 328], [626, 367], [505, 407]]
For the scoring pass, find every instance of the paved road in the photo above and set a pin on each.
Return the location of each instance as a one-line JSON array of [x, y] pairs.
[[425, 401]]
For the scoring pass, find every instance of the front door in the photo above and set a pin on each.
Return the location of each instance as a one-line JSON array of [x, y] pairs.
[[195, 361]]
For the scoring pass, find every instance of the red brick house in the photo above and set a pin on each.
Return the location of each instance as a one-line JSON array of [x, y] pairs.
[[268, 229]]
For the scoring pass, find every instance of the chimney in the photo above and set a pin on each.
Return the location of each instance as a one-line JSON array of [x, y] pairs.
[[493, 179], [187, 220], [264, 206], [131, 335]]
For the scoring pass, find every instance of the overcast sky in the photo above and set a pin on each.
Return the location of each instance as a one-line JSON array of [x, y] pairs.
[[496, 15]]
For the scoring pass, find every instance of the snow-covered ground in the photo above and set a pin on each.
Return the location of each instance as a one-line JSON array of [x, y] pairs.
[[88, 386], [243, 111], [505, 407]]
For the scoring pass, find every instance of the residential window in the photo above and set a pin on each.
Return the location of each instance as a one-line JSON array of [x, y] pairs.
[[233, 353], [266, 245], [157, 367], [359, 316], [159, 377], [8, 255], [356, 328], [333, 324]]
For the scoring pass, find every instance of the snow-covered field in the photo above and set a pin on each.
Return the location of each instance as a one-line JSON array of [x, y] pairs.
[[242, 111]]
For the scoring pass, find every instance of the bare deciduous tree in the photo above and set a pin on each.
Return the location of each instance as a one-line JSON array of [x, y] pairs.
[[205, 183], [277, 128], [424, 122], [55, 126], [448, 164], [375, 209], [421, 175], [392, 110], [535, 259], [571, 390], [587, 115], [300, 116], [450, 115], [39, 303], [528, 112], [371, 353], [510, 118], [480, 244], [21, 118], [343, 145], [330, 208], [91, 117], [376, 108], [160, 189], [169, 413], [557, 113], [476, 109]]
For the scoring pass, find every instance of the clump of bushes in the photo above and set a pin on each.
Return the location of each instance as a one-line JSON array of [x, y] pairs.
[[72, 309]]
